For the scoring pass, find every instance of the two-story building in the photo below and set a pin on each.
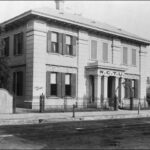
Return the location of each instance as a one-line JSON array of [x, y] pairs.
[[71, 59]]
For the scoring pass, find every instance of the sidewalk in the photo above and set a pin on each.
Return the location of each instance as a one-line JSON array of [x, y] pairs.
[[23, 116]]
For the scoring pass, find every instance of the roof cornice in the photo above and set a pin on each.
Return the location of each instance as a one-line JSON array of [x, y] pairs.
[[91, 27], [16, 18], [44, 15]]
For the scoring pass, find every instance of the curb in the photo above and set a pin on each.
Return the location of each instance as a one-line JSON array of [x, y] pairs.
[[41, 119]]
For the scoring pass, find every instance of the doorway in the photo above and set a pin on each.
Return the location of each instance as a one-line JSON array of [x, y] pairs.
[[91, 89], [111, 89]]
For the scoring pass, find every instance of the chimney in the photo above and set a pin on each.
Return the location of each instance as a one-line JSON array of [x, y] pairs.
[[59, 4]]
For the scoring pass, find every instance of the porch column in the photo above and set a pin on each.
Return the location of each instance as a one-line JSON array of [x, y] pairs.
[[122, 90], [97, 83], [105, 91], [117, 86]]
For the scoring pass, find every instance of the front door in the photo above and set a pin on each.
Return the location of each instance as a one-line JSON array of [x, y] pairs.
[[91, 89], [111, 89]]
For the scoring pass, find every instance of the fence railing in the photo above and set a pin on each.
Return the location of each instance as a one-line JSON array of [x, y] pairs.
[[107, 105]]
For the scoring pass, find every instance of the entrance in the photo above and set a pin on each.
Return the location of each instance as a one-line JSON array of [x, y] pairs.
[[111, 89], [91, 89]]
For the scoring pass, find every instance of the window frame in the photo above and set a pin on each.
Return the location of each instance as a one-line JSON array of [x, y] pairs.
[[54, 43], [69, 46]]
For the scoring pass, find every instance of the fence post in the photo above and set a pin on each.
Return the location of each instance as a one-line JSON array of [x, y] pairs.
[[42, 99]]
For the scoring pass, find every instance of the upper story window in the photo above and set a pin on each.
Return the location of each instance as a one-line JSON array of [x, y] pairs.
[[18, 44], [69, 45], [61, 43], [53, 82], [105, 52], [93, 49], [5, 51], [67, 84], [125, 56], [54, 42], [134, 57]]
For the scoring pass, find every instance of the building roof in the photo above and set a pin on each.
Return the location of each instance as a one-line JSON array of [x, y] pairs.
[[77, 20]]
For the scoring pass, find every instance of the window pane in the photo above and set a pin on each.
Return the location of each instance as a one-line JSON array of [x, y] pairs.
[[67, 79], [93, 49], [54, 89], [125, 53], [54, 37], [67, 85], [54, 47], [68, 49], [105, 52], [68, 90], [68, 40], [53, 78], [133, 57]]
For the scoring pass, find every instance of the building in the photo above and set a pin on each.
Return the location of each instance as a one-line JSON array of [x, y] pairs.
[[73, 60]]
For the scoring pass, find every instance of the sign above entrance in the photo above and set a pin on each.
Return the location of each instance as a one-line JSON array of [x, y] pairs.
[[111, 73]]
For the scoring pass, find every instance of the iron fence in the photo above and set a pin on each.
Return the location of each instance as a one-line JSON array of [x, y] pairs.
[[107, 105]]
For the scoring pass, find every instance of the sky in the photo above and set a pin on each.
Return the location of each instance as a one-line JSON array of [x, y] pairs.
[[132, 16]]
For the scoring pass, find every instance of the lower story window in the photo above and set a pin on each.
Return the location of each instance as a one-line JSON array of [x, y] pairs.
[[60, 84], [53, 79], [18, 83], [131, 88], [67, 85]]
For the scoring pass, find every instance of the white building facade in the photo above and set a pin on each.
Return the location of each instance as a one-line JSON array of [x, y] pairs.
[[73, 60]]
